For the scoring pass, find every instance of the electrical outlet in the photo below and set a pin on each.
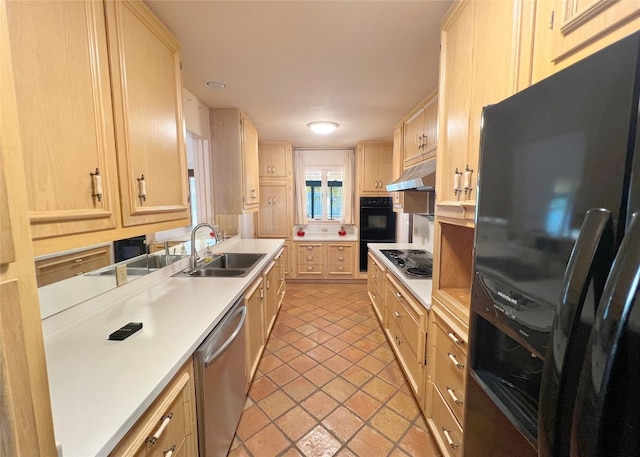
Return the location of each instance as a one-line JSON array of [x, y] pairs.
[[121, 275]]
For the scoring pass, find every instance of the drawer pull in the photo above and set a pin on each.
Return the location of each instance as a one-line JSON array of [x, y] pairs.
[[398, 294], [450, 442], [309, 248], [165, 421], [454, 338], [309, 268], [78, 260], [169, 452], [340, 268], [374, 276], [455, 361], [453, 396], [310, 258], [396, 313], [340, 257], [340, 248]]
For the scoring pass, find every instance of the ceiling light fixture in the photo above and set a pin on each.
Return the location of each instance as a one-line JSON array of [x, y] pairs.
[[215, 84], [323, 127]]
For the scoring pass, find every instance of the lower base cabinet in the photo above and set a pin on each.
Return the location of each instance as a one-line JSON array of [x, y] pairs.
[[169, 425], [254, 328], [325, 260]]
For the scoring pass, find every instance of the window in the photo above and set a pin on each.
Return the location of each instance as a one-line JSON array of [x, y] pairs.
[[324, 194]]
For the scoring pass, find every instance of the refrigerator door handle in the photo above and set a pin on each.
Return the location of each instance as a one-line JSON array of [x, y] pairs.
[[590, 259], [606, 419]]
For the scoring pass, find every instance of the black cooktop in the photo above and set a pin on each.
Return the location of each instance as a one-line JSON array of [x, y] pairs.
[[413, 263]]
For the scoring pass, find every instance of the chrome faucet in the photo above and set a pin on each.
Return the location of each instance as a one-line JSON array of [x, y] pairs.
[[193, 258]]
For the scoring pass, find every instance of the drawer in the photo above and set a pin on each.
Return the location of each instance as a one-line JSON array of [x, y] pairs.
[[340, 269], [445, 428], [450, 380], [406, 317], [170, 419], [310, 269], [450, 339]]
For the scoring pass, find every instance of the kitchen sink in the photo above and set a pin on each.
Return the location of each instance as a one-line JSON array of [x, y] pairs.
[[154, 262], [233, 261], [225, 266]]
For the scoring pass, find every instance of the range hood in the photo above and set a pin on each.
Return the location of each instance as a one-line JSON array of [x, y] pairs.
[[418, 177]]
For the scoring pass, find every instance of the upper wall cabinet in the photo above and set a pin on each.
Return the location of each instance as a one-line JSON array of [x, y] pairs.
[[421, 132], [234, 144], [375, 165], [147, 96], [97, 91], [61, 74], [275, 159], [482, 62], [569, 30]]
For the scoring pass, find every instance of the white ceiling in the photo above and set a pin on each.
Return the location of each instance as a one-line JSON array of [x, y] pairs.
[[362, 64]]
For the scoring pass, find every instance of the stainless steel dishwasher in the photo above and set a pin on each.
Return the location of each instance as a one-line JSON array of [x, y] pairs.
[[220, 382]]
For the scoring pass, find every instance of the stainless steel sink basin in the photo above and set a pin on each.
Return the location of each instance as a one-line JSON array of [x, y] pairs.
[[225, 266], [153, 262], [234, 261]]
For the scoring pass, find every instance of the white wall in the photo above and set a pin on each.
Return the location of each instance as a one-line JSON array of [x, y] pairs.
[[423, 231]]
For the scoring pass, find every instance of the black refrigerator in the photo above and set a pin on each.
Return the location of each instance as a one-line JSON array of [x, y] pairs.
[[554, 337]]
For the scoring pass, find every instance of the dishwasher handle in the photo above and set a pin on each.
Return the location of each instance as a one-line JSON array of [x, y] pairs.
[[209, 357]]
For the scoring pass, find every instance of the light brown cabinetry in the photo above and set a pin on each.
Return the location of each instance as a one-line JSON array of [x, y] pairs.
[[569, 30], [254, 328], [421, 132], [65, 113], [375, 167], [376, 287], [275, 214], [147, 98], [168, 425], [104, 96], [482, 62], [271, 288], [27, 426], [310, 260], [275, 158], [398, 165], [406, 331], [326, 260], [54, 269], [234, 145]]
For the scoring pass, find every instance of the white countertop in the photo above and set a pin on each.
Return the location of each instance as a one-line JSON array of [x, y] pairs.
[[100, 388], [311, 236], [420, 288]]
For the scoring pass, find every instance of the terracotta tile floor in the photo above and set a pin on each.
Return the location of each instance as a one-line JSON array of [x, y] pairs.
[[328, 384]]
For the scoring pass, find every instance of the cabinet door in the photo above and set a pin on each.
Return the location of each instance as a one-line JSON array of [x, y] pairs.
[[250, 164], [385, 166], [145, 65], [369, 179], [430, 127], [495, 66], [273, 215], [64, 107], [264, 161], [578, 22], [254, 331], [413, 132], [398, 165], [455, 97], [274, 160]]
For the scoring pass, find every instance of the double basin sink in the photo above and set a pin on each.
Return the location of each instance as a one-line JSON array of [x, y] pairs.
[[225, 266], [142, 265]]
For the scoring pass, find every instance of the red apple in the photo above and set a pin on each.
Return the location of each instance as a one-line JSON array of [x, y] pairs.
[[300, 233], [342, 232]]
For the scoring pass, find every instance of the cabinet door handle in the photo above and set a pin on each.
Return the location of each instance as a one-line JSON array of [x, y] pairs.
[[253, 193], [169, 452], [142, 188], [165, 421], [396, 313], [273, 200], [452, 394], [453, 359], [454, 338], [447, 435], [273, 168], [96, 184], [268, 286], [269, 200]]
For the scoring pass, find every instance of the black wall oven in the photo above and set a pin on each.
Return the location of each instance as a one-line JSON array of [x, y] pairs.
[[377, 224]]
